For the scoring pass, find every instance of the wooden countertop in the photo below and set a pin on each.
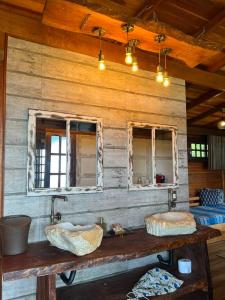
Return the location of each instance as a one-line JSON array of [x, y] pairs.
[[44, 259]]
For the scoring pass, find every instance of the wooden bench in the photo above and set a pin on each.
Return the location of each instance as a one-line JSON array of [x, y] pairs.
[[44, 262]]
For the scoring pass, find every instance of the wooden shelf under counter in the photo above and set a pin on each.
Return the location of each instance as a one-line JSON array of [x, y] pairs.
[[44, 262]]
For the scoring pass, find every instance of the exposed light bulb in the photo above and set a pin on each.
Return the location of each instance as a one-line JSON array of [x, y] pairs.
[[128, 58], [221, 124], [159, 74], [101, 62], [134, 67], [166, 79]]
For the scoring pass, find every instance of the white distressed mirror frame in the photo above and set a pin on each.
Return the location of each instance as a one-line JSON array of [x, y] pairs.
[[31, 190], [152, 185]]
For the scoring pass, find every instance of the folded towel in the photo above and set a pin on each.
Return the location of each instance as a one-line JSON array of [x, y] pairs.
[[155, 282]]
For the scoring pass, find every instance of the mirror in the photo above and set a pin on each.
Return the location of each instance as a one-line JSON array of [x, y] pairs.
[[152, 156], [65, 153]]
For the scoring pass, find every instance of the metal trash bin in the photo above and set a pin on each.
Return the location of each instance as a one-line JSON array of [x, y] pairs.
[[14, 234]]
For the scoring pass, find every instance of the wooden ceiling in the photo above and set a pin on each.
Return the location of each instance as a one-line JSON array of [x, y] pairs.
[[195, 30]]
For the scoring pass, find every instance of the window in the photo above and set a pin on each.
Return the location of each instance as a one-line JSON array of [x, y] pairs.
[[197, 147], [152, 156], [67, 156], [198, 150]]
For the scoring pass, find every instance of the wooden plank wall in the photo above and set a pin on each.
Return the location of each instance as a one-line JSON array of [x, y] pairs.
[[40, 77], [200, 177]]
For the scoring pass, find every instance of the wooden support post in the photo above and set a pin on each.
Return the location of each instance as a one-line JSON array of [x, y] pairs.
[[46, 287], [3, 47]]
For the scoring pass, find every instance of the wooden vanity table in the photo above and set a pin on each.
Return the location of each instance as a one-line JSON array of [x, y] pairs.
[[44, 262]]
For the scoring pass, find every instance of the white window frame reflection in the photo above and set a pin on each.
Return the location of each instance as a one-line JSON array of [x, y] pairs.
[[31, 189], [153, 184]]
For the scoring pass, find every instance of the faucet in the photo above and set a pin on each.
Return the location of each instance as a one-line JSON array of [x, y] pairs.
[[58, 215], [172, 198]]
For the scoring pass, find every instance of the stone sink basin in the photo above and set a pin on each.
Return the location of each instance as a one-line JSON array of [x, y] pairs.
[[80, 240], [170, 223]]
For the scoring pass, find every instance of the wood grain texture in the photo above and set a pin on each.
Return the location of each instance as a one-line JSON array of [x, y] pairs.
[[119, 286], [33, 30], [35, 82], [42, 259], [46, 289], [73, 15], [3, 48], [200, 177]]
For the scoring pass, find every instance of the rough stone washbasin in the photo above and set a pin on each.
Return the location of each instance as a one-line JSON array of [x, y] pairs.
[[78, 239], [170, 223]]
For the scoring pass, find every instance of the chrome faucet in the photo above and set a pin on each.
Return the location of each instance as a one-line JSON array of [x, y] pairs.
[[172, 198], [56, 217]]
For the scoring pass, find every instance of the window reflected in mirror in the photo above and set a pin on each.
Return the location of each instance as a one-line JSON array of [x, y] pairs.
[[142, 156], [67, 153], [50, 166]]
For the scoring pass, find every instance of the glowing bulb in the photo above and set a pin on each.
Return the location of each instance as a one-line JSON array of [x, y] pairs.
[[166, 80], [128, 58], [101, 65], [221, 124], [159, 74], [134, 67], [101, 62]]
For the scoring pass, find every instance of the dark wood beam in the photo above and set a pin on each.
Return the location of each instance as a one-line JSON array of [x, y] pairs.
[[206, 114], [203, 130], [3, 48], [204, 97], [33, 30], [220, 63], [148, 8], [211, 24]]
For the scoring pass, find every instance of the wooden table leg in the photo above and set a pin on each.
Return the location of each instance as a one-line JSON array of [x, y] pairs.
[[46, 287]]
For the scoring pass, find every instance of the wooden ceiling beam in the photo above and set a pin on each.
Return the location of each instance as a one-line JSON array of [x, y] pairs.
[[206, 114], [203, 130], [73, 15], [33, 30], [204, 97], [122, 13], [32, 5], [210, 25], [220, 63], [148, 8]]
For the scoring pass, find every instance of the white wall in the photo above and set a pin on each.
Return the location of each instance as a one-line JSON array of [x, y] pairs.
[[40, 77]]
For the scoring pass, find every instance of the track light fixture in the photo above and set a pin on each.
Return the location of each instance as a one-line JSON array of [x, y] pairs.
[[100, 32], [221, 123]]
